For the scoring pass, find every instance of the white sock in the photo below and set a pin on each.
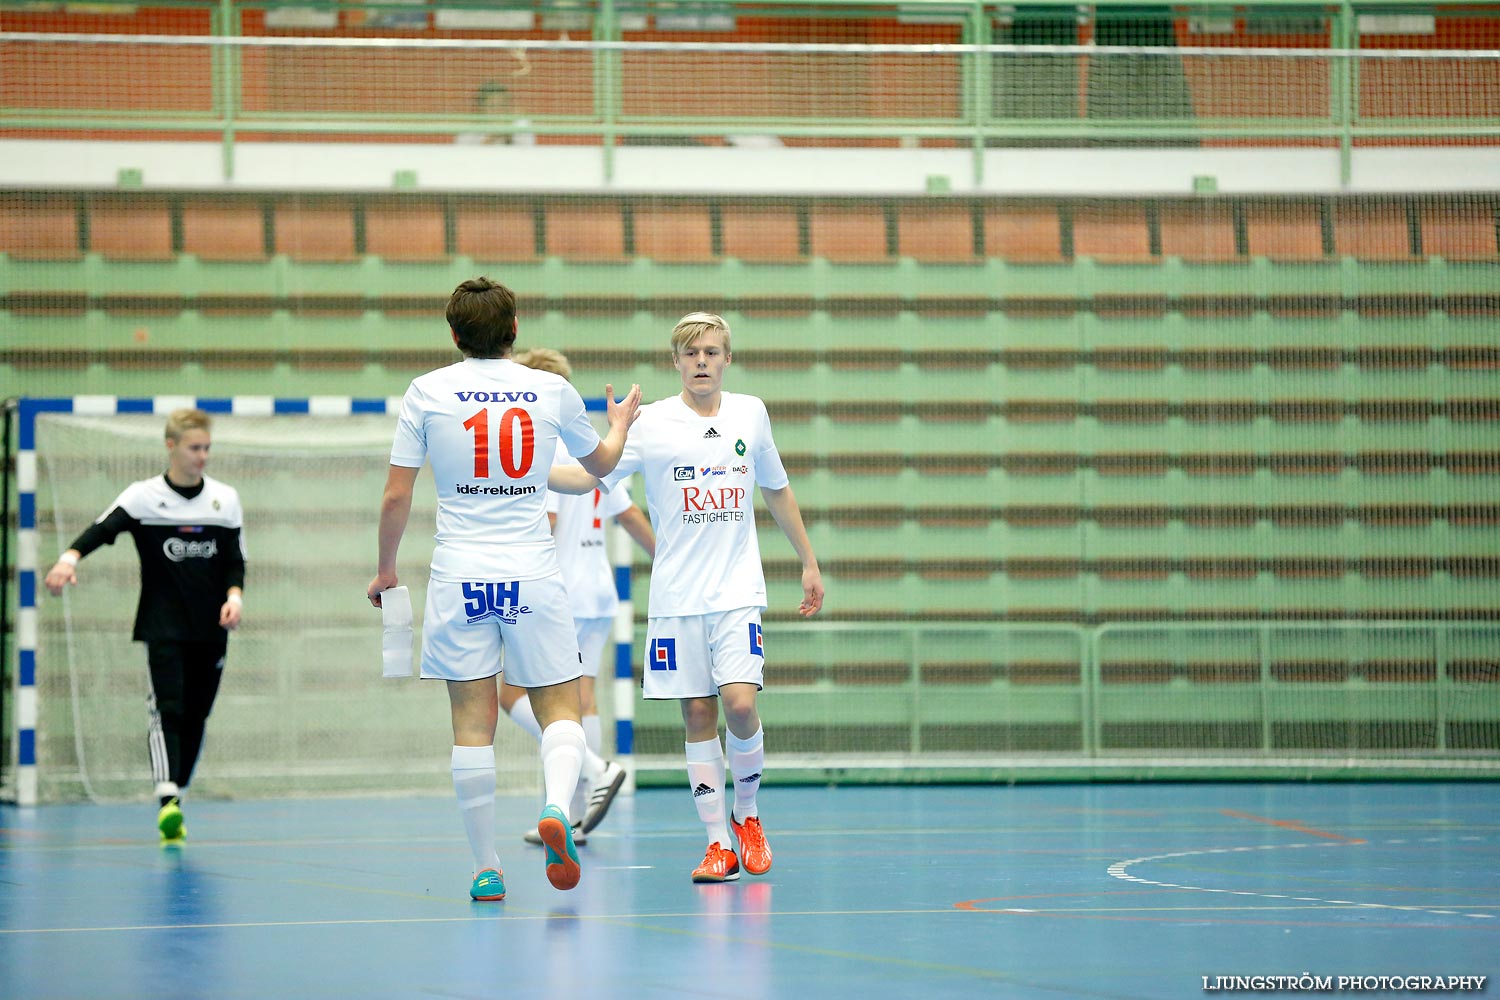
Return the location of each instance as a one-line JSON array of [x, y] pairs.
[[522, 715], [474, 784], [563, 747], [747, 758], [593, 762], [705, 768]]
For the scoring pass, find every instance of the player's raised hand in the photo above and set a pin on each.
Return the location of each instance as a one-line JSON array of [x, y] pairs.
[[812, 592], [626, 410]]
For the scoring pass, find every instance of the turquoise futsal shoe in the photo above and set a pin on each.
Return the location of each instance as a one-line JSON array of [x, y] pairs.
[[563, 870], [489, 886]]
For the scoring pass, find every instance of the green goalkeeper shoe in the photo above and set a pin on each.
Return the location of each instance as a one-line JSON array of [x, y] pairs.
[[563, 870], [169, 821]]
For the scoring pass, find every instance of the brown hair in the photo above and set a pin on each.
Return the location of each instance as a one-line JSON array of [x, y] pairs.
[[694, 325], [482, 315], [182, 421]]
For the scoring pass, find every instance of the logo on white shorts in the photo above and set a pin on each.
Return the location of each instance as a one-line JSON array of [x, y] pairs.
[[493, 600], [662, 654]]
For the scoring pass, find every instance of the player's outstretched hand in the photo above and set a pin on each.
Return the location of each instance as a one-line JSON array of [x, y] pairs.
[[382, 582], [626, 410], [59, 576], [812, 592]]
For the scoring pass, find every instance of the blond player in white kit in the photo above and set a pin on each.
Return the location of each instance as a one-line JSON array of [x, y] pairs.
[[489, 428], [701, 453]]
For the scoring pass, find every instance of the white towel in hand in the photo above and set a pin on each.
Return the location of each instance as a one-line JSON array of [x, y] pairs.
[[395, 646]]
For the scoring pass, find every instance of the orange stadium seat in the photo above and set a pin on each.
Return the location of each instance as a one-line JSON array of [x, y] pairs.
[[936, 233], [586, 230], [490, 232], [1200, 232], [1023, 233], [1374, 232], [316, 229], [40, 228], [848, 234], [220, 230], [673, 232], [1460, 232], [406, 229], [762, 233], [1112, 233], [1285, 230], [131, 228]]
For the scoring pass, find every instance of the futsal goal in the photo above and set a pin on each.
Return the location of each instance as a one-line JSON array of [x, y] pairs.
[[303, 706]]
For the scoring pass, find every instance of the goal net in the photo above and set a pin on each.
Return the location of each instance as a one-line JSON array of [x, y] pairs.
[[303, 706]]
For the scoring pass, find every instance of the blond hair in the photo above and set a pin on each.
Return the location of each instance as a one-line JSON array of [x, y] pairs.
[[545, 359], [182, 421], [694, 325]]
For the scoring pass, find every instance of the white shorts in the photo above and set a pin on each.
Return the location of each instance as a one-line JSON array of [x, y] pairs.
[[593, 633], [694, 656], [468, 626]]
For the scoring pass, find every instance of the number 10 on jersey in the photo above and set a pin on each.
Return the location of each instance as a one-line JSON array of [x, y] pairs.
[[517, 445]]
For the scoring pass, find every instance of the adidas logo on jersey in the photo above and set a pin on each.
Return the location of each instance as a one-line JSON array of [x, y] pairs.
[[702, 790], [710, 433]]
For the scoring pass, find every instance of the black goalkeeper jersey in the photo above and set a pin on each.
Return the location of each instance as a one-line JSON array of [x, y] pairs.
[[191, 554]]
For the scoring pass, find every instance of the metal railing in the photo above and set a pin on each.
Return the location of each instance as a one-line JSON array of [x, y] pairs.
[[969, 93]]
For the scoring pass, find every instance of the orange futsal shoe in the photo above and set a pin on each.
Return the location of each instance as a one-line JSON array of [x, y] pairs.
[[753, 846], [719, 865]]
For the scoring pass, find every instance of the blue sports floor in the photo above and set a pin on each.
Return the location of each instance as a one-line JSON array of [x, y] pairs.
[[1117, 891]]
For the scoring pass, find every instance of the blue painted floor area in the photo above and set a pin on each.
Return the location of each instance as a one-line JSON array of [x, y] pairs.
[[1119, 891]]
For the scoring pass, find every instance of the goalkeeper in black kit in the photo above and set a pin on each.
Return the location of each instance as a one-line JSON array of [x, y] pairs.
[[186, 528]]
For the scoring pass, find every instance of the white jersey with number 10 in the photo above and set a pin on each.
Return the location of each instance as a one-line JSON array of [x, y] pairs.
[[490, 427], [700, 475]]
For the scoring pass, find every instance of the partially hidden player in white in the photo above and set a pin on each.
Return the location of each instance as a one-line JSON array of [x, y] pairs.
[[489, 428], [578, 522], [701, 453]]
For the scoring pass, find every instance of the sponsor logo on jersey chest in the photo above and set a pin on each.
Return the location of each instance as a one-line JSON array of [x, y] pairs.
[[179, 549], [481, 396]]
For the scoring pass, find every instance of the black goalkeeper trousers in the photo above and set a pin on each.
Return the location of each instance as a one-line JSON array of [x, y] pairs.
[[184, 682]]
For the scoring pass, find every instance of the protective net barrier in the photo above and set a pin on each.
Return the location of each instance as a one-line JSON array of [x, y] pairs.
[[1136, 373], [302, 707], [558, 91]]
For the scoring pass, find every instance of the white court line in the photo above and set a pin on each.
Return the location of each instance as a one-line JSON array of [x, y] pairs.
[[1118, 870]]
